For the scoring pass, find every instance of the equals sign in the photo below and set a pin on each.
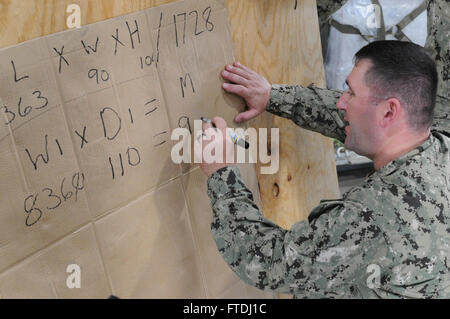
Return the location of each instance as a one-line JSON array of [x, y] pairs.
[[153, 110], [157, 135]]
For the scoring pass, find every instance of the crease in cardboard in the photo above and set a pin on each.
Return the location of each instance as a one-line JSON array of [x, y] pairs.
[[194, 237]]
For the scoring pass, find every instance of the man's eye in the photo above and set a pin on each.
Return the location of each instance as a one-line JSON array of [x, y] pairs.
[[349, 92]]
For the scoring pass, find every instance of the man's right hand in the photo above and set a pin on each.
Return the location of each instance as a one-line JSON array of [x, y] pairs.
[[249, 85]]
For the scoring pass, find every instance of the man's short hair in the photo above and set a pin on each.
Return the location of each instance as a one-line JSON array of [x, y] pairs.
[[406, 71]]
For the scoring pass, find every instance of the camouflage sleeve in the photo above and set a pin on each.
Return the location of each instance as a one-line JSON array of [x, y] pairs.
[[437, 41], [311, 107], [324, 257], [315, 109], [441, 121]]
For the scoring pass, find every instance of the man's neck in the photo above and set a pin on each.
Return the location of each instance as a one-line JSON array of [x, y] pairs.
[[398, 146]]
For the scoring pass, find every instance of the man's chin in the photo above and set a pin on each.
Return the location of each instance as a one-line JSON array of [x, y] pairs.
[[347, 144]]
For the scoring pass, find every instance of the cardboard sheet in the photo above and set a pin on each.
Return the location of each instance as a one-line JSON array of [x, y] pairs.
[[86, 176]]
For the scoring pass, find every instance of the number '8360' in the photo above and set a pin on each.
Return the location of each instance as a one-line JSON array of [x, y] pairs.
[[53, 199]]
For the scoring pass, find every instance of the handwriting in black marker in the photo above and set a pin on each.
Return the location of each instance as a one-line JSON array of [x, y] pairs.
[[82, 137], [40, 97], [149, 112], [15, 74], [121, 163], [51, 195], [8, 111], [153, 110], [94, 73], [23, 112], [26, 111], [116, 38], [61, 57], [59, 147], [157, 41], [131, 115], [118, 121], [183, 83], [176, 29], [131, 161], [157, 135], [90, 48], [33, 209], [296, 2], [138, 156], [33, 213], [148, 60], [65, 195], [76, 186], [136, 31], [196, 23], [112, 167], [45, 158], [159, 144], [184, 26], [208, 24], [184, 122]]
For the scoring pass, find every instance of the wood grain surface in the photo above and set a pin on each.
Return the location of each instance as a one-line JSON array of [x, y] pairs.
[[280, 39]]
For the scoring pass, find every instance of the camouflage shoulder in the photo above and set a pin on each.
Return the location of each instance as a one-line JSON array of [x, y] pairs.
[[438, 41]]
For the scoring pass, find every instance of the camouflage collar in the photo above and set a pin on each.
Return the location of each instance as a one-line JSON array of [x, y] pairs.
[[397, 163]]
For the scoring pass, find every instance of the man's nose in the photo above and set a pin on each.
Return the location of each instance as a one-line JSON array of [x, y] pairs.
[[342, 103]]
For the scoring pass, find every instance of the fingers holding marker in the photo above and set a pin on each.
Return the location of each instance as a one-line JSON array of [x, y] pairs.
[[206, 124], [219, 122], [208, 130], [199, 135]]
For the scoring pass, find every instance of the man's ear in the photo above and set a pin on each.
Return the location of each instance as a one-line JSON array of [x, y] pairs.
[[389, 112]]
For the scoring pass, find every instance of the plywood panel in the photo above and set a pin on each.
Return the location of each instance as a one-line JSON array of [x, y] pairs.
[[26, 20], [280, 39]]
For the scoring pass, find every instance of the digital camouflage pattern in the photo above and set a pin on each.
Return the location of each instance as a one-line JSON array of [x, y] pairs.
[[386, 239], [325, 8], [389, 238], [329, 120], [437, 41]]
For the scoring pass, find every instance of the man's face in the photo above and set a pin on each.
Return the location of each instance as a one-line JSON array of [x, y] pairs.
[[360, 112]]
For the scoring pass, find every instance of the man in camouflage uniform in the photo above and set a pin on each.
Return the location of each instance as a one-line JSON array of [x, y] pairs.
[[388, 238]]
